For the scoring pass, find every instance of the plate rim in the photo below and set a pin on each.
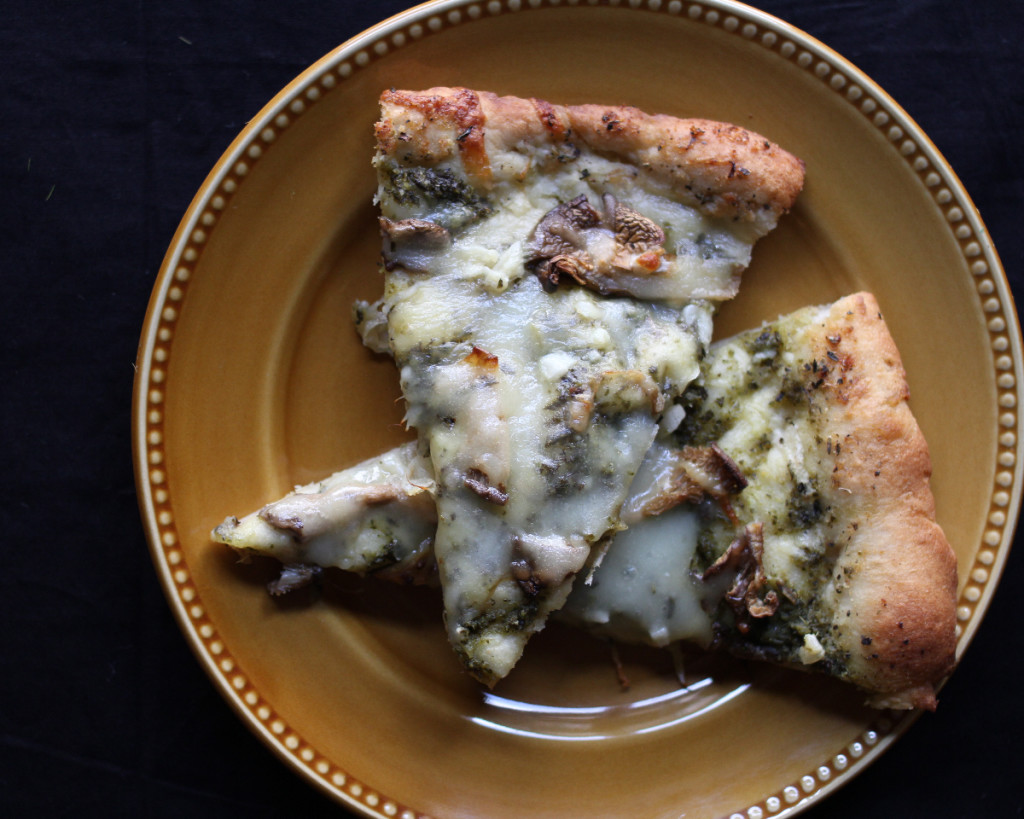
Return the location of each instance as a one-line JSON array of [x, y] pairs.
[[772, 33]]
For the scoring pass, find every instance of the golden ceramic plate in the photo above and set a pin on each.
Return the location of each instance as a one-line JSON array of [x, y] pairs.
[[252, 379]]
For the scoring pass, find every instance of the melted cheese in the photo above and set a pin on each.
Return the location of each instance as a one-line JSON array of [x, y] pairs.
[[545, 442], [644, 591], [705, 255]]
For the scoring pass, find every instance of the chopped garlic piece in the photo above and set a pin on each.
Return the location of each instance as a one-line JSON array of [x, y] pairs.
[[811, 651], [554, 365]]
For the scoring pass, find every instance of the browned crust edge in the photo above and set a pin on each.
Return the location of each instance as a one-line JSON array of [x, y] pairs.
[[894, 586], [723, 169]]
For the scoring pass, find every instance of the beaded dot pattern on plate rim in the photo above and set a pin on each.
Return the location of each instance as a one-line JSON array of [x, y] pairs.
[[766, 32]]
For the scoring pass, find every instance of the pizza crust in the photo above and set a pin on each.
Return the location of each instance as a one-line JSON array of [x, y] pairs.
[[893, 589], [722, 169]]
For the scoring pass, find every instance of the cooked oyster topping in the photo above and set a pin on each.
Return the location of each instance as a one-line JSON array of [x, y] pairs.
[[294, 576], [690, 474], [745, 557], [411, 242], [599, 251]]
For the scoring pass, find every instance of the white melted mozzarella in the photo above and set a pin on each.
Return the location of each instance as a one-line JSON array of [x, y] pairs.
[[704, 255], [644, 591], [536, 407]]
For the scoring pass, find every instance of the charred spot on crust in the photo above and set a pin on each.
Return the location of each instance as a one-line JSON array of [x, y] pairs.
[[611, 121], [548, 117]]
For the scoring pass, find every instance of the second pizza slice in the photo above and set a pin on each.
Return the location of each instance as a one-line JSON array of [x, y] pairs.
[[551, 277]]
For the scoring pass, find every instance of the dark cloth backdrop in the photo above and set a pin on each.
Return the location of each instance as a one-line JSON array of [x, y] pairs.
[[113, 113]]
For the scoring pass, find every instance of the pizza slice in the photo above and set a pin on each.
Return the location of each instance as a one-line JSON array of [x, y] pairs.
[[551, 272], [830, 557], [377, 517], [790, 520]]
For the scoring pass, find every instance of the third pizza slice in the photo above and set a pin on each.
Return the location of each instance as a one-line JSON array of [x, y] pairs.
[[551, 276]]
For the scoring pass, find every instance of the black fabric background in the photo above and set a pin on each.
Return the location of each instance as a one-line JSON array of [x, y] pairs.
[[113, 113]]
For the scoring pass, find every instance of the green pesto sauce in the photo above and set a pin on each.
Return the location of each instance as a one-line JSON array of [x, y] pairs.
[[778, 638], [736, 371], [388, 556], [510, 620], [451, 201]]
